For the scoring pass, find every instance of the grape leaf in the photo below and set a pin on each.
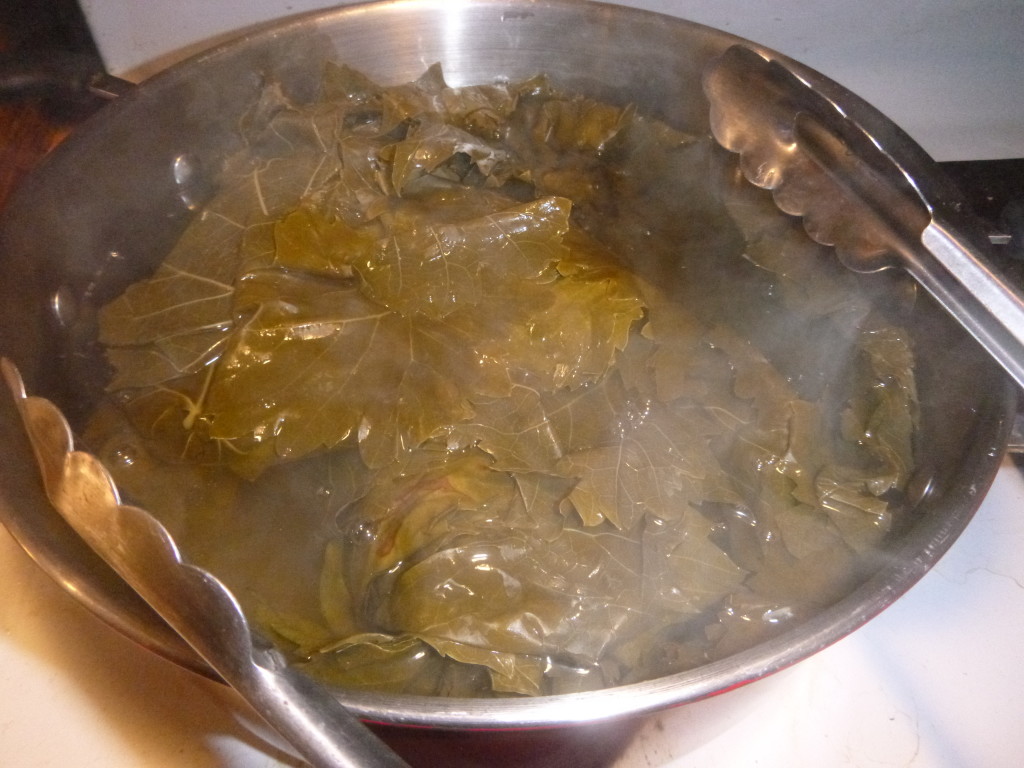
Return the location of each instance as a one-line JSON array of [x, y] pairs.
[[532, 429], [466, 573], [179, 317], [308, 241], [316, 364], [431, 144], [481, 109], [382, 662], [434, 266], [562, 333], [656, 468]]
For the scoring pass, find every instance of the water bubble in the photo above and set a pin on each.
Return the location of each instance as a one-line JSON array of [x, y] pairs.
[[64, 306], [193, 187], [777, 615], [745, 516], [516, 15], [125, 455]]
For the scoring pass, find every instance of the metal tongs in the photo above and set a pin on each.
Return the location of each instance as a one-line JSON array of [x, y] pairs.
[[191, 600], [852, 194]]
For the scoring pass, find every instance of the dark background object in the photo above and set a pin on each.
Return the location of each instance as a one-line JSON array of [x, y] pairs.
[[995, 190], [32, 25]]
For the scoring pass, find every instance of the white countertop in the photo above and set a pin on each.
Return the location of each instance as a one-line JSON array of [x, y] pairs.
[[936, 681]]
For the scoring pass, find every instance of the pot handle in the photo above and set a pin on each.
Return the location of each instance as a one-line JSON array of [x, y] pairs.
[[63, 79]]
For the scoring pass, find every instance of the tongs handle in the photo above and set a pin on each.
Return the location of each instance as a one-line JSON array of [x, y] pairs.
[[962, 281]]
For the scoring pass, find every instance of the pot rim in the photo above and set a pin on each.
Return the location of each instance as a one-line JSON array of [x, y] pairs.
[[909, 562]]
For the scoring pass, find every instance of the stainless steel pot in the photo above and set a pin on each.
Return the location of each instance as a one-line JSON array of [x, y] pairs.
[[108, 204]]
